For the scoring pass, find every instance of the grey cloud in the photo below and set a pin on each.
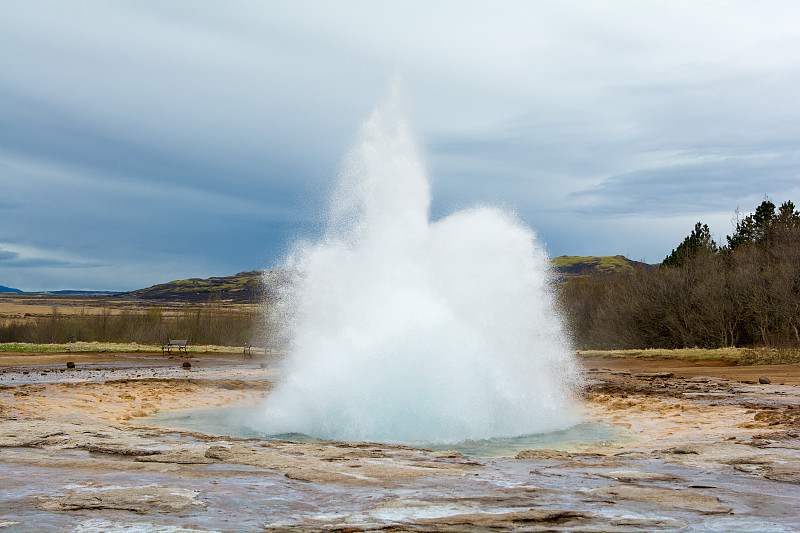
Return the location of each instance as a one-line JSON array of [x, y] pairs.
[[184, 138], [51, 263], [688, 188], [13, 259]]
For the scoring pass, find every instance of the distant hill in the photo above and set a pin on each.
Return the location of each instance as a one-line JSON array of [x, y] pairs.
[[67, 292], [3, 288], [80, 293], [243, 287], [255, 285], [570, 266]]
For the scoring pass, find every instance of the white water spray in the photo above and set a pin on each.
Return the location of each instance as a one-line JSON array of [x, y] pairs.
[[406, 330]]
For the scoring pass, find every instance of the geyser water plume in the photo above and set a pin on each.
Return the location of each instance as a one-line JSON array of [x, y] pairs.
[[404, 330]]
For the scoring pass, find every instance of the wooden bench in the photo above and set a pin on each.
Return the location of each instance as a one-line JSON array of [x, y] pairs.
[[252, 348], [248, 349], [180, 344]]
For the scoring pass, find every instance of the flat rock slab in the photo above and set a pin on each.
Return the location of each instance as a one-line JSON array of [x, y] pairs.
[[314, 463], [181, 457], [788, 473], [629, 476], [120, 449], [505, 521], [142, 500], [676, 498]]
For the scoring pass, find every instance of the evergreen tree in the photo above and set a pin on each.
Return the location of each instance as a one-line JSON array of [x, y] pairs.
[[787, 220], [760, 227], [751, 228], [698, 239]]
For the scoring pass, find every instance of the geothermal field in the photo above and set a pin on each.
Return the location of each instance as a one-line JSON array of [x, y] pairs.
[[418, 377], [132, 442]]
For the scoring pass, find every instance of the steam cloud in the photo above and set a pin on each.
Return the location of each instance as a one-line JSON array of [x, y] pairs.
[[404, 330]]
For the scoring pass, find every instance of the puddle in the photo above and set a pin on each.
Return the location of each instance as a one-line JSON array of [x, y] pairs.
[[106, 371]]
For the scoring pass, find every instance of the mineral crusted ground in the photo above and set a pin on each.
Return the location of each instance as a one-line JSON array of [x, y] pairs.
[[709, 453]]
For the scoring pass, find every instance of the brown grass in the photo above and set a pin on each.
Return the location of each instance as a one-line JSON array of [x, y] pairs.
[[107, 347], [58, 321]]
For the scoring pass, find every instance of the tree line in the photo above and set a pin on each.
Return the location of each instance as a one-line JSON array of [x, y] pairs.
[[745, 292]]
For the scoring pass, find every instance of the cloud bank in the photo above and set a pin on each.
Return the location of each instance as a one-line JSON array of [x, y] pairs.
[[148, 141]]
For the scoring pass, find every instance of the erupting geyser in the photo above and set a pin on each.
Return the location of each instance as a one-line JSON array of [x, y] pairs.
[[404, 330]]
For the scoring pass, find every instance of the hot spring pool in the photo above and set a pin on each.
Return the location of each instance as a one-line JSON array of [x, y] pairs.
[[230, 421]]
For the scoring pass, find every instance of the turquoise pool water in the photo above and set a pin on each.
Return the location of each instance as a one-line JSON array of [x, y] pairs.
[[232, 421]]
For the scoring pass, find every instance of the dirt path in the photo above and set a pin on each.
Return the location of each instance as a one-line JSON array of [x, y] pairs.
[[779, 374]]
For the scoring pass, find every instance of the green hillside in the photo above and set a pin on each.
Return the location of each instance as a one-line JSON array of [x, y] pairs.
[[242, 287], [570, 266]]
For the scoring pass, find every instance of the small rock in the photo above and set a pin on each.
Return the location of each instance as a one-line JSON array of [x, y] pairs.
[[223, 453], [553, 455], [186, 364], [685, 449], [655, 375], [70, 364], [447, 454], [764, 380]]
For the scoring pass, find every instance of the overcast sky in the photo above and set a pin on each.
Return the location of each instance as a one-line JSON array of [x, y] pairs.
[[148, 141]]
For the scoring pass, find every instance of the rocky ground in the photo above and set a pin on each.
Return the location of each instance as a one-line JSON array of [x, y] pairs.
[[709, 449]]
